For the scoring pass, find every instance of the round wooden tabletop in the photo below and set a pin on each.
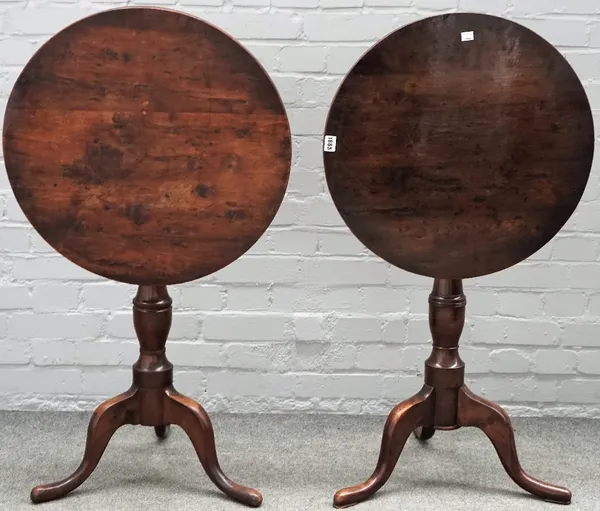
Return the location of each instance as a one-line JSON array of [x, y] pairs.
[[464, 143], [147, 146]]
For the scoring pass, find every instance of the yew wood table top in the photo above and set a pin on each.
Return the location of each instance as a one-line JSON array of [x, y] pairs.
[[464, 143], [147, 146]]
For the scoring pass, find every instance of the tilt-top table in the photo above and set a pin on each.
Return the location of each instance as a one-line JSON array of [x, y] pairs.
[[463, 144], [150, 148]]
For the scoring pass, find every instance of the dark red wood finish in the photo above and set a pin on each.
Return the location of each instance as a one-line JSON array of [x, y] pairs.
[[151, 401], [478, 151], [445, 403], [148, 147], [456, 159]]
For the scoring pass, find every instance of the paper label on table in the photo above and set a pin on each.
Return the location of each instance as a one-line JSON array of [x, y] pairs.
[[467, 36], [330, 144]]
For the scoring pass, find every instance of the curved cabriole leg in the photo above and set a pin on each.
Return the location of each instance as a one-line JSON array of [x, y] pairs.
[[106, 419], [194, 420], [494, 422], [424, 433], [162, 432], [402, 421]]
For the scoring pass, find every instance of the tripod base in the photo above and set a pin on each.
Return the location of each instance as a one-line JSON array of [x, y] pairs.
[[445, 403], [151, 401], [172, 408], [414, 415]]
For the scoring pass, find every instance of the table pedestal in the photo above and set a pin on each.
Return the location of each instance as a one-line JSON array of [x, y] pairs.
[[445, 403], [151, 401]]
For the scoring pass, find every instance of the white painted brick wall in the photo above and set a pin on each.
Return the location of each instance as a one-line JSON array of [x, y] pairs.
[[309, 320]]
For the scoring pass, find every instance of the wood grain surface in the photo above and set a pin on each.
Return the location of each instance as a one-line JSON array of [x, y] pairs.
[[147, 146], [459, 158]]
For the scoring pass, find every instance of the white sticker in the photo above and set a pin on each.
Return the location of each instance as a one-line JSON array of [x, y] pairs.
[[467, 36], [330, 144]]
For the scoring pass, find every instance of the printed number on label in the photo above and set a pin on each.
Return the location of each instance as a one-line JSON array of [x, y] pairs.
[[330, 144]]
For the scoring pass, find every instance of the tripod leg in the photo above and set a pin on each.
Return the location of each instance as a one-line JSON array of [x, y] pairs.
[[162, 432], [424, 433], [106, 419], [402, 421], [495, 423], [195, 422]]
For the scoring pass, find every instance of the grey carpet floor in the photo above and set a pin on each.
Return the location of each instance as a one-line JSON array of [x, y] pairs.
[[297, 461]]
